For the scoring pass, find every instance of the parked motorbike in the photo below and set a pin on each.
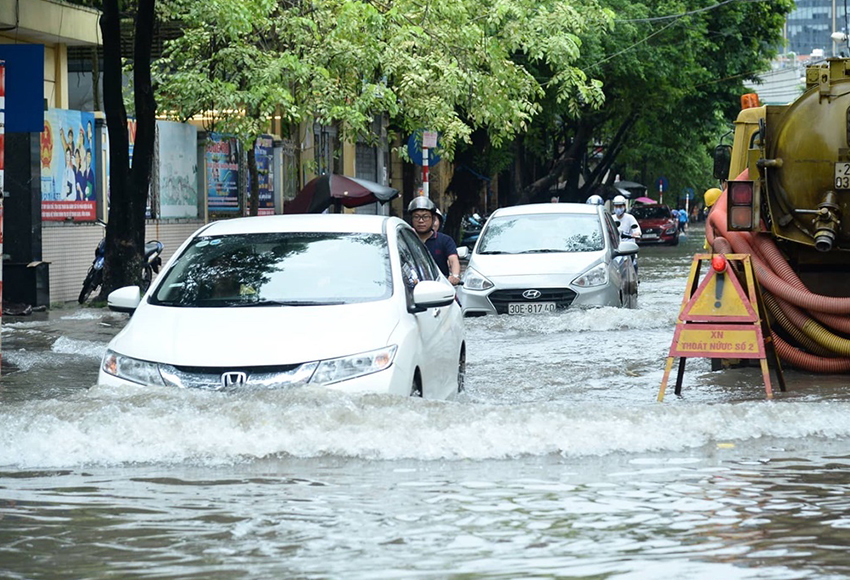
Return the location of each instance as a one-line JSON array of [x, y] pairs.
[[94, 277], [471, 226]]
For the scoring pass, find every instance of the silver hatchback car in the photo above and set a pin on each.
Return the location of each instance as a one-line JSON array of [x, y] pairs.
[[540, 258]]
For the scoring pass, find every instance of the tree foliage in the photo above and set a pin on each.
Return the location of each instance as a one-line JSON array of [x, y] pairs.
[[453, 66], [672, 73]]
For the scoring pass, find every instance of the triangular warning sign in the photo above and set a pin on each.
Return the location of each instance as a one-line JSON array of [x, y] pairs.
[[719, 298]]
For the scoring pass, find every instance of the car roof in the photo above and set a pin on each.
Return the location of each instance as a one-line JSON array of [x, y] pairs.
[[353, 223], [546, 208]]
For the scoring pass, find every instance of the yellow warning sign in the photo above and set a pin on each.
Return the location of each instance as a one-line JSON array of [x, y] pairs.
[[706, 340], [719, 298], [721, 318]]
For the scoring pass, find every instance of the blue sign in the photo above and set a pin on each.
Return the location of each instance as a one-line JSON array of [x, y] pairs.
[[662, 184], [687, 193], [24, 87], [414, 149]]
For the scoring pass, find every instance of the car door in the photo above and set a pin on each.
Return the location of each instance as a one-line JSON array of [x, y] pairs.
[[433, 325]]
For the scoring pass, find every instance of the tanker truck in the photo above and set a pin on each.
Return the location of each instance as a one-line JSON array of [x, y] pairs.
[[786, 202]]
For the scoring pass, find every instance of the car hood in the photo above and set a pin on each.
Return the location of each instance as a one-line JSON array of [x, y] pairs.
[[503, 265], [254, 336]]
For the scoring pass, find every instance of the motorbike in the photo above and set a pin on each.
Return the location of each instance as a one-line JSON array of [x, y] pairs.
[[94, 277], [471, 226]]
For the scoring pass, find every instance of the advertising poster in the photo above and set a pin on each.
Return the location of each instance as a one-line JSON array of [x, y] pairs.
[[178, 170], [222, 167], [68, 183], [264, 154]]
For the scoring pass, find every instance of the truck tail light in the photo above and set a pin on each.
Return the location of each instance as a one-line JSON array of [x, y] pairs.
[[741, 209]]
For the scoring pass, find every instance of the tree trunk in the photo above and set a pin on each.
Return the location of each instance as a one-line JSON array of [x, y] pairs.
[[95, 79], [125, 231], [254, 194]]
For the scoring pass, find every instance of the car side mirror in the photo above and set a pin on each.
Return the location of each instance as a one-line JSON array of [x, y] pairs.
[[626, 248], [722, 161], [432, 294], [463, 253], [124, 299]]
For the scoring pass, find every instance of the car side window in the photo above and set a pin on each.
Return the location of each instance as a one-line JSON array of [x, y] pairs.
[[409, 272], [427, 267], [613, 232]]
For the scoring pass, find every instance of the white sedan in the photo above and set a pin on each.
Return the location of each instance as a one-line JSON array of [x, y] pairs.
[[546, 257], [350, 302]]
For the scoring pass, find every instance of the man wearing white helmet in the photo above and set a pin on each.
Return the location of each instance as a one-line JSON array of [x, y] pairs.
[[626, 222]]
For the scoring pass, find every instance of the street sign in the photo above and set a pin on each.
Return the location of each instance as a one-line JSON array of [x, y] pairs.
[[662, 184], [414, 149], [688, 193], [723, 317]]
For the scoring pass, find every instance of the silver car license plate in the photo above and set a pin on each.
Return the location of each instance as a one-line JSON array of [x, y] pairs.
[[530, 307], [842, 175], [649, 237]]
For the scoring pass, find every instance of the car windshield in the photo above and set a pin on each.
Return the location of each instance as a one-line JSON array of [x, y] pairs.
[[292, 269], [650, 212], [542, 233]]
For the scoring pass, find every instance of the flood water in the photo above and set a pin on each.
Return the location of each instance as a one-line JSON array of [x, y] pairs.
[[557, 463]]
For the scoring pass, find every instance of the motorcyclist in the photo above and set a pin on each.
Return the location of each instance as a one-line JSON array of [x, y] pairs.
[[626, 222], [442, 247], [595, 200]]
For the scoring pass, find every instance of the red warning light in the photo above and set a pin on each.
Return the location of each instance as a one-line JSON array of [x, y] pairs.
[[718, 262]]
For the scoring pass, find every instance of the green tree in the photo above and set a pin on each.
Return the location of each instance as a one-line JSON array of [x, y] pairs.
[[672, 73], [454, 66]]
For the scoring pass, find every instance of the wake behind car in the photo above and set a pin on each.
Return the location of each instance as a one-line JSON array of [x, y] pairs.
[[546, 257], [657, 224], [350, 302]]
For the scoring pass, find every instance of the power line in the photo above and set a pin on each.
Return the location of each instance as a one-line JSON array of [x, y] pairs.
[[689, 13]]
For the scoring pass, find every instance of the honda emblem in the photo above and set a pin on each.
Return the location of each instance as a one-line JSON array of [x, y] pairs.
[[234, 379]]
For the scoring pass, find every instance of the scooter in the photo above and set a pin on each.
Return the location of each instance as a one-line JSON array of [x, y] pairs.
[[94, 278]]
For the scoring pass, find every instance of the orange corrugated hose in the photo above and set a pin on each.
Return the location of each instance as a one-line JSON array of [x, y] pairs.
[[791, 295]]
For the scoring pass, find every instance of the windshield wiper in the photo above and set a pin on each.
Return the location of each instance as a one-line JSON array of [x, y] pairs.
[[495, 252], [287, 303], [542, 251]]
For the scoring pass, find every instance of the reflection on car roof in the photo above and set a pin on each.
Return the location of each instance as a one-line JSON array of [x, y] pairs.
[[370, 224], [538, 208]]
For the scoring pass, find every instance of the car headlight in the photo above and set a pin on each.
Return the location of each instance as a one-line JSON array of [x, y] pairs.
[[671, 230], [472, 280], [596, 276], [357, 365], [131, 369]]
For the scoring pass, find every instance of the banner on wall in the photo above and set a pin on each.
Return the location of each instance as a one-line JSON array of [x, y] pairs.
[[264, 154], [178, 170], [68, 183], [221, 158]]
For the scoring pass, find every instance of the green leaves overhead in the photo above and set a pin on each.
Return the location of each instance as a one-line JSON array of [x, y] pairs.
[[454, 66]]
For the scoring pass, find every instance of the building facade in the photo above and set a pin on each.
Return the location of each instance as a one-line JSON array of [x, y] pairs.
[[52, 231]]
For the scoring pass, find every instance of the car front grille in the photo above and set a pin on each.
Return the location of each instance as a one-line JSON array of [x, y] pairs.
[[562, 297], [213, 378], [656, 231]]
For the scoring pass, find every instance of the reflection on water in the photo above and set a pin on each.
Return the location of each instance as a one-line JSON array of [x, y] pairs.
[[557, 463]]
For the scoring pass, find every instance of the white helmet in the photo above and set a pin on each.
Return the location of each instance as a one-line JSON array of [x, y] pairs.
[[619, 200], [594, 200]]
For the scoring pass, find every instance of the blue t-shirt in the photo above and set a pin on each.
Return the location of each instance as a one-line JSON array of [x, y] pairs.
[[441, 247]]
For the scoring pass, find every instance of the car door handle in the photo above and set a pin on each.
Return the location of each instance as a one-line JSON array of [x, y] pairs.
[[437, 312]]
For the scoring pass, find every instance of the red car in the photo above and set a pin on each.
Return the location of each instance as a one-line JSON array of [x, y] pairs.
[[657, 224]]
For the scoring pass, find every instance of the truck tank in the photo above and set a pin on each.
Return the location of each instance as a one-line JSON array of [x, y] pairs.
[[786, 201]]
